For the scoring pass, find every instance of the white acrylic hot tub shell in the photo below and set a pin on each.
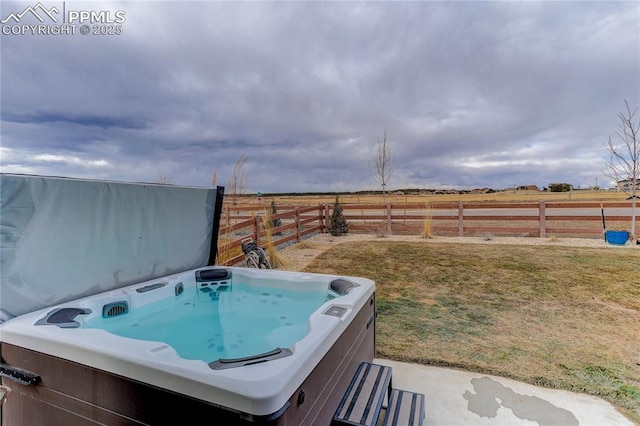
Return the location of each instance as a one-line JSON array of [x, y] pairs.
[[259, 389]]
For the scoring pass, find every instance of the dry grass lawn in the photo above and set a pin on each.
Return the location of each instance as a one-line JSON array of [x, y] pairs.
[[394, 198], [561, 317]]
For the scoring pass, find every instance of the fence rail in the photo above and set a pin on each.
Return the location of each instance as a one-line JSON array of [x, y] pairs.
[[533, 219]]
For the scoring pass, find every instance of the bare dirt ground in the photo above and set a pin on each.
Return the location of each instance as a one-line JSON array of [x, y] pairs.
[[299, 256]]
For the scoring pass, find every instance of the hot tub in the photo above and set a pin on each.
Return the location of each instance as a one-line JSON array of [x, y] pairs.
[[243, 345], [97, 281]]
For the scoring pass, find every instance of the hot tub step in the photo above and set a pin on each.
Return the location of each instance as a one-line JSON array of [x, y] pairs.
[[404, 409], [362, 402]]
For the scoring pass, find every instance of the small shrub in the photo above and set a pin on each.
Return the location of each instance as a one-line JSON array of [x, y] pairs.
[[338, 224]]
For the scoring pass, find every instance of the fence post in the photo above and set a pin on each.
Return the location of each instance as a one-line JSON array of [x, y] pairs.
[[388, 218], [460, 219], [543, 219], [298, 225], [256, 229], [325, 217], [321, 218]]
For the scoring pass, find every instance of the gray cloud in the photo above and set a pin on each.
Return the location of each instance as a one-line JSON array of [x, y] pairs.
[[472, 93]]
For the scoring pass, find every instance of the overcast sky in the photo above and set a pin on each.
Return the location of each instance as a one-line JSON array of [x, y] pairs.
[[472, 94]]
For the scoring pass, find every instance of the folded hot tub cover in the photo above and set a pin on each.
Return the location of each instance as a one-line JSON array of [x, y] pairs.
[[62, 239]]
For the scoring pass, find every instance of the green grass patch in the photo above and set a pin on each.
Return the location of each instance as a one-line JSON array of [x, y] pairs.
[[559, 317]]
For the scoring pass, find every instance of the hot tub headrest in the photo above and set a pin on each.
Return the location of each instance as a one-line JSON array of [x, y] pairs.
[[63, 317], [342, 286], [213, 274]]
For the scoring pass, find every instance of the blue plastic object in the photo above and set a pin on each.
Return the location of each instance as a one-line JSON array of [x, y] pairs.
[[617, 237]]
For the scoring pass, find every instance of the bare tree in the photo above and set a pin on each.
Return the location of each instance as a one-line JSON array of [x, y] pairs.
[[163, 179], [238, 183], [623, 164], [382, 164]]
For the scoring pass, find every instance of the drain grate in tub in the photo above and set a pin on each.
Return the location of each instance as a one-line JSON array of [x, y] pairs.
[[115, 309]]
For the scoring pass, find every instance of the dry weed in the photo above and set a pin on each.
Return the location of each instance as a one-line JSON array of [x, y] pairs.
[[426, 225], [275, 258], [305, 245]]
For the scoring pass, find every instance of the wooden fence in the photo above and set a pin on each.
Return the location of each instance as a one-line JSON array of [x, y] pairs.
[[531, 219], [241, 223]]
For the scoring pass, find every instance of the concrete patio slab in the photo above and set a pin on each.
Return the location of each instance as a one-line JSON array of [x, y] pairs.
[[455, 397]]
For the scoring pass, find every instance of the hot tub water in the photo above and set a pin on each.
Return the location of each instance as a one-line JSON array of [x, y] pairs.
[[241, 322]]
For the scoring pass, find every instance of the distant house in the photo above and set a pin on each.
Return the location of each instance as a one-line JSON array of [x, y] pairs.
[[626, 185], [528, 188]]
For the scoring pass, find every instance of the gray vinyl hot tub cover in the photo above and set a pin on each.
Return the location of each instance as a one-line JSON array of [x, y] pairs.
[[62, 239]]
